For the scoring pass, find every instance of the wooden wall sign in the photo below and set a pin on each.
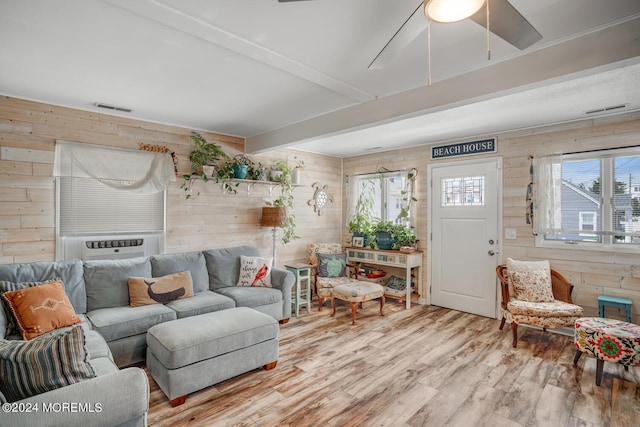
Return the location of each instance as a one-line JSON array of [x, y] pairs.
[[464, 148]]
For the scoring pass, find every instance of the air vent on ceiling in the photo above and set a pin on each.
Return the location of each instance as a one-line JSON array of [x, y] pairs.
[[605, 109], [112, 107]]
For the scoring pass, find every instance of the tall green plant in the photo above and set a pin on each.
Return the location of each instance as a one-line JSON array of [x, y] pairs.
[[204, 153], [363, 219]]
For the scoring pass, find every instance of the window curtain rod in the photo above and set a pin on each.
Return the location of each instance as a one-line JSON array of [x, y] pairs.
[[587, 151]]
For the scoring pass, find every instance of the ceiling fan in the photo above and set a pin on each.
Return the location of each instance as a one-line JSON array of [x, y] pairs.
[[505, 22]]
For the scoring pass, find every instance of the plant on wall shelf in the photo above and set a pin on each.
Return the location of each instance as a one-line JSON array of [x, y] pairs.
[[242, 166], [203, 159], [204, 153]]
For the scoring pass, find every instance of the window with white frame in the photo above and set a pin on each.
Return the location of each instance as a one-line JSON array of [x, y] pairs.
[[385, 190], [589, 200]]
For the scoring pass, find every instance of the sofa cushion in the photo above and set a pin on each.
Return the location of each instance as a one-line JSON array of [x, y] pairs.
[[160, 290], [107, 281], [200, 303], [161, 265], [32, 367], [252, 297], [103, 366], [70, 272], [40, 309], [120, 322], [224, 265]]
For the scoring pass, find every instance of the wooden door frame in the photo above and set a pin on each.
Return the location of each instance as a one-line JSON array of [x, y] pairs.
[[500, 232]]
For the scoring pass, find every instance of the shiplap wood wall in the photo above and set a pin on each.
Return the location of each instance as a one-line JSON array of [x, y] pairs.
[[592, 272], [28, 131]]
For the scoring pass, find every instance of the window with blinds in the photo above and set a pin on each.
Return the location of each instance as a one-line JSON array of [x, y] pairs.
[[599, 201], [86, 206]]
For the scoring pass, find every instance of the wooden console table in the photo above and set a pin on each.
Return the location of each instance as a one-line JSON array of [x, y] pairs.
[[391, 259]]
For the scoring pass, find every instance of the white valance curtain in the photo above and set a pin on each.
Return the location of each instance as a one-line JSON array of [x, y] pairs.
[[547, 195], [132, 170]]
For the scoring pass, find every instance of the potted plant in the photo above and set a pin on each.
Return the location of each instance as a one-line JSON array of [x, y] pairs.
[[241, 165], [384, 232], [404, 237], [295, 177], [225, 177], [258, 172], [408, 197], [281, 172], [285, 200], [363, 219], [205, 154]]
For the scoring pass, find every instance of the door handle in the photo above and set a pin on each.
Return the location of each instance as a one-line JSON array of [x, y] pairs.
[[492, 253]]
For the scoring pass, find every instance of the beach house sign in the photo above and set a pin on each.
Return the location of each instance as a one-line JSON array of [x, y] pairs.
[[464, 148]]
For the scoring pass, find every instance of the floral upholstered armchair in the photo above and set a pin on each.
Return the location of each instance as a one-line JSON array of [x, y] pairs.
[[329, 268], [534, 294]]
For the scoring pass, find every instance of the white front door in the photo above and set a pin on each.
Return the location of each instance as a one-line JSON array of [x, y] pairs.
[[464, 235]]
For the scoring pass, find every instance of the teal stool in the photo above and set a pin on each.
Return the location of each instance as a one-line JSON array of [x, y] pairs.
[[614, 302]]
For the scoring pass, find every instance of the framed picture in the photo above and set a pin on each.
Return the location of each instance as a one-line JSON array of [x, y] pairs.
[[357, 242]]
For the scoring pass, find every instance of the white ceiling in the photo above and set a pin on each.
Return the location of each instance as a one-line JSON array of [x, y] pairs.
[[295, 74]]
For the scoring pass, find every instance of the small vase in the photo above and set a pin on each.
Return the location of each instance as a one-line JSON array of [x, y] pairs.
[[261, 174], [295, 176]]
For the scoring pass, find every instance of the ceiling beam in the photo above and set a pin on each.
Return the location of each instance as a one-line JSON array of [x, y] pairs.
[[585, 54]]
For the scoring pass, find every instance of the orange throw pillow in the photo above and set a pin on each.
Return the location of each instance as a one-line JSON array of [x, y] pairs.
[[41, 309], [160, 290]]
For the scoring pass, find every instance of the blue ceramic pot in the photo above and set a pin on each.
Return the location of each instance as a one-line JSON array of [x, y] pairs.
[[240, 171], [384, 240]]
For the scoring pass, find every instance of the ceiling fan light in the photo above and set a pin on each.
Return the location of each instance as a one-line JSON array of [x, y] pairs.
[[451, 10]]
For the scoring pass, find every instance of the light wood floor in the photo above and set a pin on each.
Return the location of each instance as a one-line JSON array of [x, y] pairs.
[[426, 366]]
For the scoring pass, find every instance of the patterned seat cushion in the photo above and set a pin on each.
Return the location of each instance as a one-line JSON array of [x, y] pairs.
[[358, 291], [326, 284], [608, 339], [542, 309]]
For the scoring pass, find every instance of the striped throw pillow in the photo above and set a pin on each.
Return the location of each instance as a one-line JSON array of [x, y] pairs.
[[48, 362]]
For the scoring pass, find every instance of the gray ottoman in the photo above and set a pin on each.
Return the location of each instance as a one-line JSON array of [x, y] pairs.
[[193, 353]]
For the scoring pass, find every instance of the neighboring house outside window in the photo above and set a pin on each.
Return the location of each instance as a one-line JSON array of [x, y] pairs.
[[593, 202], [588, 222]]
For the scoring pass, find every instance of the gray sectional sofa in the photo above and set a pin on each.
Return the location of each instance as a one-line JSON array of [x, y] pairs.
[[116, 333]]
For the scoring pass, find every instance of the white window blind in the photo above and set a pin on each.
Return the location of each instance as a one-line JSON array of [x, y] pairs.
[[88, 207]]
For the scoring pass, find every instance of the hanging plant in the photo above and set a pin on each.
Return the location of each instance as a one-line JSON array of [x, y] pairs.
[[285, 200]]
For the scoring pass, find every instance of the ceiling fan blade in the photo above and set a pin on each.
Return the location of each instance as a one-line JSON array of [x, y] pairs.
[[412, 27], [508, 24]]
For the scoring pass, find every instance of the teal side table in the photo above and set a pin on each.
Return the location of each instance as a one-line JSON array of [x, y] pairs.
[[618, 302], [302, 273]]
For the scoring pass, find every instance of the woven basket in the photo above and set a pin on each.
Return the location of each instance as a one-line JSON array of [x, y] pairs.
[[273, 216]]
